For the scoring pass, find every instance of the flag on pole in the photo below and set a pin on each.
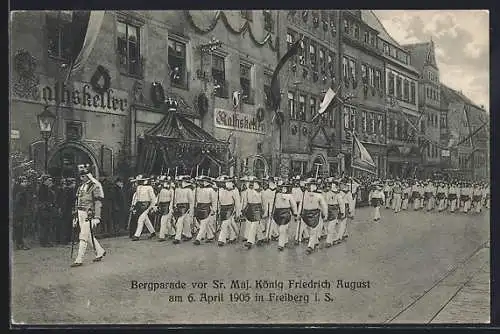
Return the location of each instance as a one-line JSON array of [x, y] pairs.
[[361, 159], [327, 100], [275, 84], [85, 29]]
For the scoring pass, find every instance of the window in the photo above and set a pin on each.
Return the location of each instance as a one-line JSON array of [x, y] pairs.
[[372, 124], [371, 77], [367, 37], [444, 121], [245, 82], [59, 38], [407, 59], [364, 73], [346, 26], [373, 41], [363, 121], [356, 31], [406, 95], [427, 92], [386, 48], [352, 69], [291, 105], [312, 55], [412, 93], [219, 75], [391, 84], [396, 129], [246, 14], [380, 120], [345, 67], [353, 119], [391, 128], [128, 48], [392, 52], [312, 106], [267, 89], [429, 150], [331, 65], [405, 131], [399, 87], [346, 117], [302, 56], [177, 62], [302, 107], [378, 79], [299, 167], [73, 131], [321, 58], [268, 21]]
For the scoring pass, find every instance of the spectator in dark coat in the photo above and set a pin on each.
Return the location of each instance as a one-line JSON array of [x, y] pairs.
[[21, 195], [47, 199]]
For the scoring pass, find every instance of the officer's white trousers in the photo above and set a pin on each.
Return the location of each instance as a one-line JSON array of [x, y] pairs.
[[254, 232], [404, 204], [466, 206], [304, 230], [342, 228], [183, 226], [430, 204], [376, 212], [396, 202], [207, 229], [441, 204], [227, 230], [313, 235], [166, 226], [416, 203], [331, 231], [144, 219], [283, 234], [86, 238], [478, 206], [453, 204]]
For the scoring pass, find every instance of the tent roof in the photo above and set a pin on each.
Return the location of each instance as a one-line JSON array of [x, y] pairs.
[[179, 128]]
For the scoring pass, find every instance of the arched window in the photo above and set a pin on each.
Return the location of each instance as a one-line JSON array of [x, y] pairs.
[[259, 168]]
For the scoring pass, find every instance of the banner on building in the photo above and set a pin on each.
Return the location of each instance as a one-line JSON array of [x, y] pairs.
[[233, 120]]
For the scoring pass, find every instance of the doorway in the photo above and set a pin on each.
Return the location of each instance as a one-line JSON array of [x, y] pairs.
[[64, 162]]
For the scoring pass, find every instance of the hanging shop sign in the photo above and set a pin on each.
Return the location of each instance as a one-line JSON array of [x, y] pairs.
[[80, 95], [228, 119]]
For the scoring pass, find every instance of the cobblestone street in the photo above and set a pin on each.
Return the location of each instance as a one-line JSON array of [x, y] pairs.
[[422, 268]]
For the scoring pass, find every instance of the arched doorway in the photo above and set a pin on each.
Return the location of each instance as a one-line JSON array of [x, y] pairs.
[[319, 165], [66, 158], [259, 166]]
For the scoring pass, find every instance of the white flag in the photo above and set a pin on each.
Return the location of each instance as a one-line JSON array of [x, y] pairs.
[[361, 158], [93, 28], [329, 96]]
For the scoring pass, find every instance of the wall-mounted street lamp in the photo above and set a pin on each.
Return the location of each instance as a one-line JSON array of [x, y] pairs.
[[46, 122]]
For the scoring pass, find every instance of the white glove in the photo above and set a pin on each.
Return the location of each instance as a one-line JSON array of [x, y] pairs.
[[95, 222]]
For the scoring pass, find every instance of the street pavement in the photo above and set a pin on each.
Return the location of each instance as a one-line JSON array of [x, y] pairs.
[[421, 267]]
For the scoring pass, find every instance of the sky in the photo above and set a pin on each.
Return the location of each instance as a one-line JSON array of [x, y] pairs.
[[461, 39]]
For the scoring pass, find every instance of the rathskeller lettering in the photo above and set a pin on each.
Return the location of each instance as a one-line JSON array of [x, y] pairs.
[[86, 97], [238, 121]]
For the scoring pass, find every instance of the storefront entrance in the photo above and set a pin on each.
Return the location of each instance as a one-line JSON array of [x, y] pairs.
[[63, 163]]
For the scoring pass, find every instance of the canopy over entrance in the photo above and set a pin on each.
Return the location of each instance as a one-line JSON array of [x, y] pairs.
[[176, 142]]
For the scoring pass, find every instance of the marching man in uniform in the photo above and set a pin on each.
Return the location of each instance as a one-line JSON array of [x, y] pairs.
[[183, 209], [486, 195], [429, 193], [268, 200], [165, 207], [441, 194], [354, 195], [88, 206], [416, 196], [336, 211], [229, 207], [466, 196], [376, 199], [453, 192], [314, 208], [387, 193], [406, 195], [298, 196], [477, 197], [396, 196], [251, 202], [143, 201], [284, 207], [206, 205]]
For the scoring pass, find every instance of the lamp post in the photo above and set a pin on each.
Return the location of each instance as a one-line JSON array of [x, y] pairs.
[[46, 122]]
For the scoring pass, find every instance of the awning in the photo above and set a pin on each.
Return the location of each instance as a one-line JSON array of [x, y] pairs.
[[177, 141]]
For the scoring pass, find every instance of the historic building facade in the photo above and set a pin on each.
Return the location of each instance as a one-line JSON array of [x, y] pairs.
[[309, 143], [424, 59], [222, 89]]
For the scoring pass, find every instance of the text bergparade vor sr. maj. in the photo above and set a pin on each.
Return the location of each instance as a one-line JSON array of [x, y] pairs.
[[260, 284]]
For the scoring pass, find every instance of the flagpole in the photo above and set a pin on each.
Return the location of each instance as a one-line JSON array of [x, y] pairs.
[[352, 157]]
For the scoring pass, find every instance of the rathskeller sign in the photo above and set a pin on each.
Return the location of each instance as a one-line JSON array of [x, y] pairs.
[[80, 95], [233, 120]]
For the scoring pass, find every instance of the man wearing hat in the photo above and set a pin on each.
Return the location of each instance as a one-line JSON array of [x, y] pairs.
[[441, 194], [353, 188], [183, 208], [453, 193], [243, 186], [284, 207], [406, 195], [429, 194], [466, 196], [206, 205], [314, 209], [376, 199], [21, 202], [298, 196], [388, 193], [165, 206], [477, 196], [270, 227], [346, 195], [88, 206], [416, 190], [229, 207], [143, 201], [336, 211], [251, 202], [396, 197]]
